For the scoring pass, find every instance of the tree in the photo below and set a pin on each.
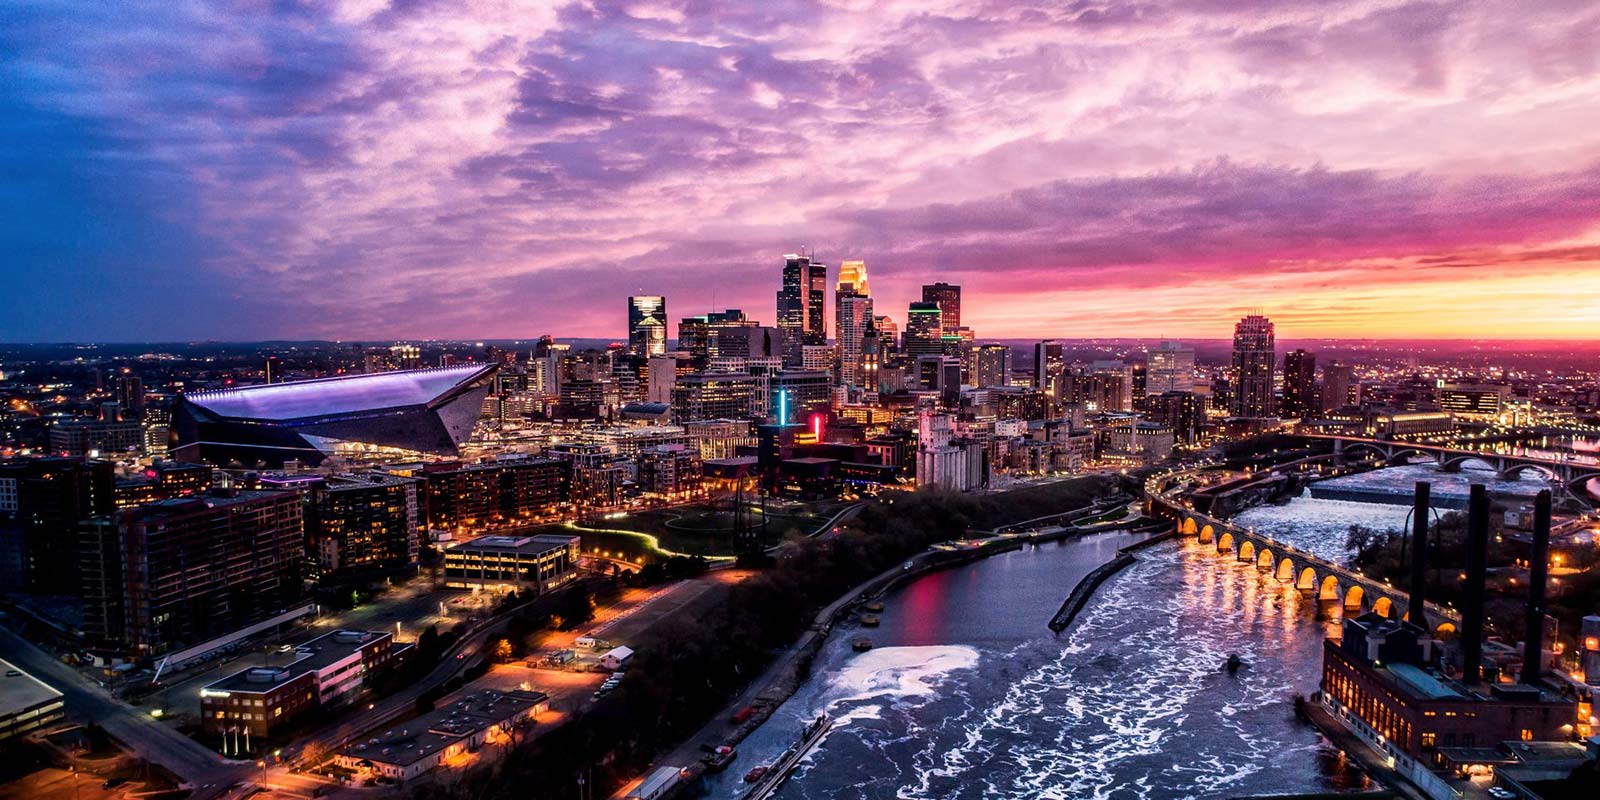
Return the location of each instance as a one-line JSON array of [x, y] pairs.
[[315, 752], [502, 651]]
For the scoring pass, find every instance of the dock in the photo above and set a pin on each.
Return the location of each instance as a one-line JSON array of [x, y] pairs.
[[790, 759]]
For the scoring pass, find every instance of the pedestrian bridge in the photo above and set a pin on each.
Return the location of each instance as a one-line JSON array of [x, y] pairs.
[[1339, 590]]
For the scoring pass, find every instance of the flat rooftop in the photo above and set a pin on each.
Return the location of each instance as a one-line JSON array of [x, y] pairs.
[[278, 668], [21, 691], [180, 505], [1422, 683], [409, 742], [515, 544]]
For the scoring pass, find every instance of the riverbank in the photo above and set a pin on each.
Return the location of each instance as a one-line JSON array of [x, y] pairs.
[[755, 705]]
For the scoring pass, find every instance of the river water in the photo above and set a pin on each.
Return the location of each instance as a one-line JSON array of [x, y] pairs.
[[1321, 526], [968, 694]]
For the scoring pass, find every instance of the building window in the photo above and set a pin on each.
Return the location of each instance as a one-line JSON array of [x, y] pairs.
[[1427, 740], [1527, 735]]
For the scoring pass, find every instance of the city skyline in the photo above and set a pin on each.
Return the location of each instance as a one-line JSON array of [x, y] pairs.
[[423, 171]]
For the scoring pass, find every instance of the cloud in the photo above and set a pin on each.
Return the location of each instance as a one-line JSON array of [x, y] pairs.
[[418, 168]]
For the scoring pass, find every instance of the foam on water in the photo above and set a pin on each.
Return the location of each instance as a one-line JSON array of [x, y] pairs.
[[1132, 701], [1320, 527], [895, 673]]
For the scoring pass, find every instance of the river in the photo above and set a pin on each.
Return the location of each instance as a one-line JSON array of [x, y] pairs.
[[967, 694], [1321, 525]]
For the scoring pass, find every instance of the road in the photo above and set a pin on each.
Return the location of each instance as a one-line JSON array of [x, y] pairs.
[[146, 737], [407, 609]]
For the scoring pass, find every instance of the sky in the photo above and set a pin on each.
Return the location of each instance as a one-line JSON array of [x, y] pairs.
[[387, 169]]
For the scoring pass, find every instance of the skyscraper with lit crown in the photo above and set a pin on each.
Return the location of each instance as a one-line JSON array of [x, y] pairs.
[[647, 325], [852, 318], [1253, 367]]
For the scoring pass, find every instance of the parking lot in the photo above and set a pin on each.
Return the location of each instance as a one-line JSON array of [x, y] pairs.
[[405, 610]]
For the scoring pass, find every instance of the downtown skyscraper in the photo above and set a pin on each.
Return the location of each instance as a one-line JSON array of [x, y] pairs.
[[852, 319], [924, 330], [948, 296], [647, 325], [1253, 366], [801, 305], [1170, 368], [1300, 384]]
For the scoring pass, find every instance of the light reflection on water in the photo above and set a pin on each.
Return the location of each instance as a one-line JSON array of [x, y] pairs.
[[968, 695]]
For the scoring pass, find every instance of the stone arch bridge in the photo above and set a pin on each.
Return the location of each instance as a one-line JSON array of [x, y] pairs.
[[1338, 589]]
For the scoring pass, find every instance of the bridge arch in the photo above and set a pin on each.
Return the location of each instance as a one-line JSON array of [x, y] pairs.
[[1457, 463], [1515, 471], [1208, 534], [1579, 485], [1188, 528], [1264, 561], [1405, 455], [1307, 580], [1384, 607], [1247, 551], [1225, 542], [1353, 448], [1329, 589], [1285, 573], [1353, 600]]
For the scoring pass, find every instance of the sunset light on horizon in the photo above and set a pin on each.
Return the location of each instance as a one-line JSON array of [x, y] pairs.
[[367, 169]]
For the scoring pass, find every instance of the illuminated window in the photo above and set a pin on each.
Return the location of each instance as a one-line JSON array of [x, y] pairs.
[[1427, 740], [1527, 735]]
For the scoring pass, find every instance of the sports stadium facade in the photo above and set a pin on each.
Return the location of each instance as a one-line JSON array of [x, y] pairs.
[[420, 410]]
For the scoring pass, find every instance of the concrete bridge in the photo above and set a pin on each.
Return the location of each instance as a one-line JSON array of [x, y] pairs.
[[1339, 590], [1569, 475]]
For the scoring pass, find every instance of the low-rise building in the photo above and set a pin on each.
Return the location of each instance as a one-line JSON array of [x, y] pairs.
[[616, 658], [93, 438], [325, 672], [670, 471], [26, 703], [443, 735], [512, 563], [163, 481], [1376, 679]]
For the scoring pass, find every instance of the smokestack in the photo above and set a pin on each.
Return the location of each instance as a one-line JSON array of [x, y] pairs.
[[1472, 595], [1419, 555], [1538, 572]]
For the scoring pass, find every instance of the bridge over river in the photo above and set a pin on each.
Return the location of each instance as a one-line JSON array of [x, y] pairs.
[[1571, 475], [1338, 589]]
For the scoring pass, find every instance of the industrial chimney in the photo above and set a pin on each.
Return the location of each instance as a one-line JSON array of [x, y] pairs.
[[1475, 588], [1538, 572], [1415, 610]]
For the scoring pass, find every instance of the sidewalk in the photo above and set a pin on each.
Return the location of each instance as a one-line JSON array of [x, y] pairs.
[[1375, 763]]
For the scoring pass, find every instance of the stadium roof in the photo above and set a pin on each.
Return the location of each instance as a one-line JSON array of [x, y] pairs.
[[421, 410], [343, 394]]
